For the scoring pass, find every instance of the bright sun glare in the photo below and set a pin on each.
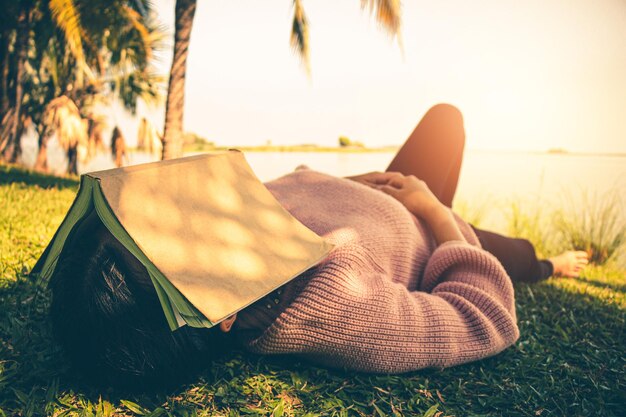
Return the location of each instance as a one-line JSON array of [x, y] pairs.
[[529, 75]]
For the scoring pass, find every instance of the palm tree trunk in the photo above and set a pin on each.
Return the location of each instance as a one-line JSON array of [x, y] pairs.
[[41, 164], [72, 160], [4, 74], [174, 110], [13, 150]]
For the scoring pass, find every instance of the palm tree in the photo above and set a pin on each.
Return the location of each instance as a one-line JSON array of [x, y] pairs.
[[88, 51], [387, 13], [10, 148], [174, 108], [148, 139], [62, 117]]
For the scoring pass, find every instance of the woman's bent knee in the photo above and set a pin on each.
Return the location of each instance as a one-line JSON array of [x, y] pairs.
[[448, 111]]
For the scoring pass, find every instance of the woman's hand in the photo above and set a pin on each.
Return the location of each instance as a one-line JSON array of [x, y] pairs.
[[412, 192], [415, 195]]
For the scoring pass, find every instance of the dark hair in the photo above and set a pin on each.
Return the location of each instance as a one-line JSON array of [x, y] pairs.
[[107, 316]]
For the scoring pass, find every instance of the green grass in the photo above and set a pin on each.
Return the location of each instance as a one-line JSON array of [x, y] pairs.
[[569, 361], [599, 229], [532, 223], [594, 223]]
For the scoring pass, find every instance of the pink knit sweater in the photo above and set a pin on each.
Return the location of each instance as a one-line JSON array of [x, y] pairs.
[[387, 299]]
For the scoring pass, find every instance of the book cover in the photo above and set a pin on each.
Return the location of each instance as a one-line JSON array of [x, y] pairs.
[[211, 236]]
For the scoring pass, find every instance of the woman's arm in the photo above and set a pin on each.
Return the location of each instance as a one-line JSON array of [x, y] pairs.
[[415, 195], [357, 318]]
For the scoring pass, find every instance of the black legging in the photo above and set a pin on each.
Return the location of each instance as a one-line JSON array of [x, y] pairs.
[[434, 153]]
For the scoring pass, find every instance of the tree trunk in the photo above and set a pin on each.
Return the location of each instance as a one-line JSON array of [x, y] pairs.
[[72, 160], [13, 150], [6, 128], [41, 164], [174, 110], [4, 74]]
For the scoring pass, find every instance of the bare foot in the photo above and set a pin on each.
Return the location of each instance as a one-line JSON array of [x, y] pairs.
[[570, 263]]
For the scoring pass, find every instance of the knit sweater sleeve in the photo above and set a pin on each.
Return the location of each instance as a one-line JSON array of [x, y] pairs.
[[359, 319]]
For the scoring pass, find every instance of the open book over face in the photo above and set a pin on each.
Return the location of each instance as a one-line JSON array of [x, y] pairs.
[[211, 236]]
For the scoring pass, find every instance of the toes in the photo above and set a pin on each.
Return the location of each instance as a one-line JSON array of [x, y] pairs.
[[578, 269], [575, 273]]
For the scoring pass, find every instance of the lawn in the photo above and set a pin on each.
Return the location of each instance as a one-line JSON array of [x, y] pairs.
[[569, 361]]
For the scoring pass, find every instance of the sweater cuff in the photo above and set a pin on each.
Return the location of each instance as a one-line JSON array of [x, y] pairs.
[[467, 231], [455, 259]]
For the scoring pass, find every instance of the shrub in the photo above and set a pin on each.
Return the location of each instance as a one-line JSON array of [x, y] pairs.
[[595, 225], [344, 142], [531, 225], [474, 214]]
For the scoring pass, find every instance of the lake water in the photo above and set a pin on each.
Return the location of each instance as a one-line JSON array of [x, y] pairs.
[[490, 182]]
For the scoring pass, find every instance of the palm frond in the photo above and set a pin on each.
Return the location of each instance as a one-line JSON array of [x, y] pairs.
[[142, 6], [62, 117], [387, 13], [67, 17], [300, 35], [144, 33], [146, 85]]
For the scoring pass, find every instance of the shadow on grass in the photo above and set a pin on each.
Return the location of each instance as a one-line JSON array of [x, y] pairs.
[[10, 174], [602, 284], [568, 361], [29, 364]]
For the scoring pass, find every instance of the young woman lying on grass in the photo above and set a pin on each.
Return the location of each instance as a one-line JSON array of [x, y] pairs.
[[409, 285]]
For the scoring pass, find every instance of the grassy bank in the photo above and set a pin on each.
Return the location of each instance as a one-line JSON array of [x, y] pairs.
[[569, 361]]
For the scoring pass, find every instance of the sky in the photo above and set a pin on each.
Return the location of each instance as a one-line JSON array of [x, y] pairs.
[[528, 75]]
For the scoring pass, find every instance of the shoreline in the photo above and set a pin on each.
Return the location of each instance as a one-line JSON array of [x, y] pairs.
[[191, 149], [292, 148]]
